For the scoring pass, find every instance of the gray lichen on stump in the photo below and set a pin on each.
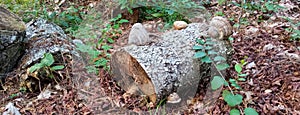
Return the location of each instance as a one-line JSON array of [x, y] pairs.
[[12, 41], [44, 37], [168, 63]]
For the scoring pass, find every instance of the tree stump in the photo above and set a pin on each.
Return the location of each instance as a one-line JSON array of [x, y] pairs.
[[12, 41], [164, 66]]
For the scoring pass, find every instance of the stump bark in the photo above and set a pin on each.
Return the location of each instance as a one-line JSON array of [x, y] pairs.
[[164, 66], [12, 41]]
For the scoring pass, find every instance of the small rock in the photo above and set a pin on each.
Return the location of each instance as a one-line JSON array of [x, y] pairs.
[[138, 35], [252, 30], [77, 41], [250, 65], [268, 91], [46, 94], [268, 47], [10, 109], [178, 25], [273, 18], [289, 55], [173, 98]]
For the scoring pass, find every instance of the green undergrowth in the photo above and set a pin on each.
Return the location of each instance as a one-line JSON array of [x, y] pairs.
[[99, 39], [68, 19], [168, 11], [205, 51]]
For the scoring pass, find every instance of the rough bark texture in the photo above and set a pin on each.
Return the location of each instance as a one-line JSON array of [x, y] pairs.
[[44, 37], [12, 41], [168, 62]]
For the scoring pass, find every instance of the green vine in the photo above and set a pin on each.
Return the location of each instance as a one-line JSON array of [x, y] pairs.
[[206, 53]]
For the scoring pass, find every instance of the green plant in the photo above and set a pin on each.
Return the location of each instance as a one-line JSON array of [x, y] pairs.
[[13, 95], [26, 9], [168, 11], [93, 54], [295, 33], [263, 5], [46, 64], [23, 89], [219, 13], [167, 15], [159, 105], [98, 53], [68, 19], [264, 9], [205, 52]]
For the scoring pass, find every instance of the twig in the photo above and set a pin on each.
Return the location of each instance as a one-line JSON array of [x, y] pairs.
[[222, 77]]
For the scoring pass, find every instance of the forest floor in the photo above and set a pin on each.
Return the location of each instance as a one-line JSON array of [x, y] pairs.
[[259, 38]]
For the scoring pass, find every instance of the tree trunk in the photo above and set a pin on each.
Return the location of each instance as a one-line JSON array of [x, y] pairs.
[[164, 66], [12, 41]]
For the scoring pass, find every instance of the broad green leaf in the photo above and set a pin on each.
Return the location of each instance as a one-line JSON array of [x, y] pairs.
[[235, 85], [226, 83], [200, 41], [199, 54], [36, 67], [242, 75], [51, 76], [231, 80], [101, 62], [170, 12], [219, 58], [119, 16], [250, 111], [116, 26], [106, 47], [233, 100], [122, 21], [206, 59], [219, 13], [211, 52], [221, 2], [130, 10], [236, 25], [59, 67], [198, 47], [217, 82], [157, 14], [110, 40], [241, 79], [210, 43], [222, 66], [48, 59], [208, 47], [231, 39], [225, 93], [234, 112], [238, 68]]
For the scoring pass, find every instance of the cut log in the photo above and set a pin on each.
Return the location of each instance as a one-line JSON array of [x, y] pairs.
[[165, 66], [12, 41]]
